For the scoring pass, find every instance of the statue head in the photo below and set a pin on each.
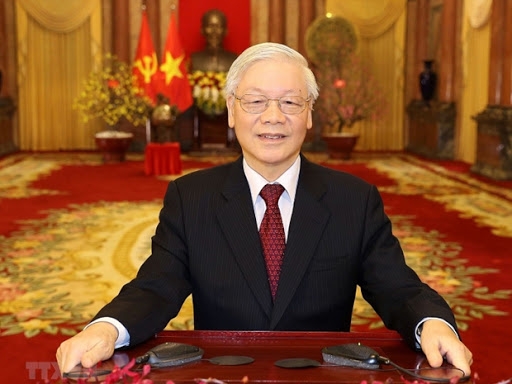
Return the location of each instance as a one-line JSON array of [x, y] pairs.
[[214, 28]]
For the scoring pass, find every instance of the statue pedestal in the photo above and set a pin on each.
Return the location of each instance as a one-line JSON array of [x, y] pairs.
[[494, 143], [7, 109], [431, 129], [212, 134]]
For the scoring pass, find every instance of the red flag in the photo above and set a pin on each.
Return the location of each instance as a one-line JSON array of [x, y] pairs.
[[174, 83], [145, 66]]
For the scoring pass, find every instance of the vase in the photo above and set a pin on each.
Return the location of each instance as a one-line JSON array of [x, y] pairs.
[[163, 119], [113, 145], [428, 81], [340, 145]]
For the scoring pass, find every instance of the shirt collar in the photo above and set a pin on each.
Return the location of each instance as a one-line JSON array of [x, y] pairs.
[[288, 180]]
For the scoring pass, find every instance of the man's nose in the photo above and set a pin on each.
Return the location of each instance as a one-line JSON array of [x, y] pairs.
[[273, 111]]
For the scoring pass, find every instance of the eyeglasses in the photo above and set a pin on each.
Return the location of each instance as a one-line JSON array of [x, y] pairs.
[[290, 105]]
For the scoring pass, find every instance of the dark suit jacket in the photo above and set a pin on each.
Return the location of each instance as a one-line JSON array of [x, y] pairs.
[[207, 244]]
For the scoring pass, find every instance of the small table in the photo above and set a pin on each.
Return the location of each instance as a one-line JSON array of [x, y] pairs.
[[162, 159]]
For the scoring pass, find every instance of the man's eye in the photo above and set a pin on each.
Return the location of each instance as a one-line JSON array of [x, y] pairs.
[[291, 101], [255, 101]]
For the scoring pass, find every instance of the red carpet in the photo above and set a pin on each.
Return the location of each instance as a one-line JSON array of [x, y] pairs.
[[59, 211]]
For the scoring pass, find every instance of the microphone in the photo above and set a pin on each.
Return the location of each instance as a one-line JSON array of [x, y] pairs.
[[364, 357]]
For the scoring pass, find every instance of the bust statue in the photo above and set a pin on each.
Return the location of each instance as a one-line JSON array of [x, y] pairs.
[[213, 57]]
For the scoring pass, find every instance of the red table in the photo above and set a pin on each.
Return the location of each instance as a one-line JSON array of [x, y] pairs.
[[268, 347], [162, 159]]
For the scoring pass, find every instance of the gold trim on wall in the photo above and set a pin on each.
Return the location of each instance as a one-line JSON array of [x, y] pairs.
[[57, 15], [372, 17], [478, 12]]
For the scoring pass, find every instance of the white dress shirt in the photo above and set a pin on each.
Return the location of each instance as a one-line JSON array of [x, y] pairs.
[[288, 180]]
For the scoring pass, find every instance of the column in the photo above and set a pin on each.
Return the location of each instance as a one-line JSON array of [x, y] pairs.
[[498, 25], [307, 13], [153, 11], [3, 50], [277, 21], [306, 17], [494, 123], [421, 37], [506, 34], [121, 30], [446, 67], [7, 79]]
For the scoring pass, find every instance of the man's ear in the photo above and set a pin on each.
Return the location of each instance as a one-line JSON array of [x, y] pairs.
[[230, 104], [309, 123]]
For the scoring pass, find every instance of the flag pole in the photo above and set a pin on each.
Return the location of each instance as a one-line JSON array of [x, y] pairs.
[[148, 130], [143, 7]]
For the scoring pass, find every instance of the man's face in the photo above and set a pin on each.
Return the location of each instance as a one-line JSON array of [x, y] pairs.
[[270, 140]]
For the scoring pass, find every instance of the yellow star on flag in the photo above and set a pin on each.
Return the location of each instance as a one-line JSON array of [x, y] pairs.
[[171, 67]]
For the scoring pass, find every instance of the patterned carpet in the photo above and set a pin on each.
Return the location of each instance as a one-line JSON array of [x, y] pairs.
[[59, 269]]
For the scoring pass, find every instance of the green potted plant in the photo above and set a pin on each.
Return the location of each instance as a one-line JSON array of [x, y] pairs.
[[348, 92], [109, 93]]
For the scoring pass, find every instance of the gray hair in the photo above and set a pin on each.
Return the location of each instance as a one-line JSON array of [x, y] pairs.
[[269, 51]]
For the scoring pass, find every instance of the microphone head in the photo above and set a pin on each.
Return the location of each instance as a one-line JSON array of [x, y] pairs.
[[171, 354], [352, 355]]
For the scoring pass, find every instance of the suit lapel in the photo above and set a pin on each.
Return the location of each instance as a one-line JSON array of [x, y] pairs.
[[238, 223], [308, 221]]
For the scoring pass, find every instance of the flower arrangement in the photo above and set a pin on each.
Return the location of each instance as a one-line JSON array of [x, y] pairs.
[[110, 93], [348, 94], [208, 91]]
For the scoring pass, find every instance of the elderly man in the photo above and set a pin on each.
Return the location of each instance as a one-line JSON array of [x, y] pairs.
[[271, 241]]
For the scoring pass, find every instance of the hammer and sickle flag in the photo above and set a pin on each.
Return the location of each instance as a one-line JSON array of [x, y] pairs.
[[174, 81], [145, 66]]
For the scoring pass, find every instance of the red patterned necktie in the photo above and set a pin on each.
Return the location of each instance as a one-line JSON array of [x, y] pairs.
[[272, 234]]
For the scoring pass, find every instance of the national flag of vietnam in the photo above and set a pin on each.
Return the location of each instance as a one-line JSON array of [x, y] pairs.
[[145, 66], [174, 83]]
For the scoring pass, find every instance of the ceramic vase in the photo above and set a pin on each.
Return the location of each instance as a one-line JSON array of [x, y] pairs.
[[428, 81]]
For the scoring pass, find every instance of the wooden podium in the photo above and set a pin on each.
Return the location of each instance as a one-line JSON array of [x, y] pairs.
[[266, 348]]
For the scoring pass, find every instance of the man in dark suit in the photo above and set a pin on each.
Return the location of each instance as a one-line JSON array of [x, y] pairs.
[[207, 242]]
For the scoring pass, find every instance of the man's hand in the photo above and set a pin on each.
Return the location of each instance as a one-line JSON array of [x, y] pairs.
[[95, 343], [438, 341]]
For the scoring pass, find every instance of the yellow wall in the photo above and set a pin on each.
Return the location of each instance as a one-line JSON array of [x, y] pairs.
[[475, 70]]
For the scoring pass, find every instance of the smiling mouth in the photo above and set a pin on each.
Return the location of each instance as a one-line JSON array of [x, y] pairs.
[[272, 137]]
